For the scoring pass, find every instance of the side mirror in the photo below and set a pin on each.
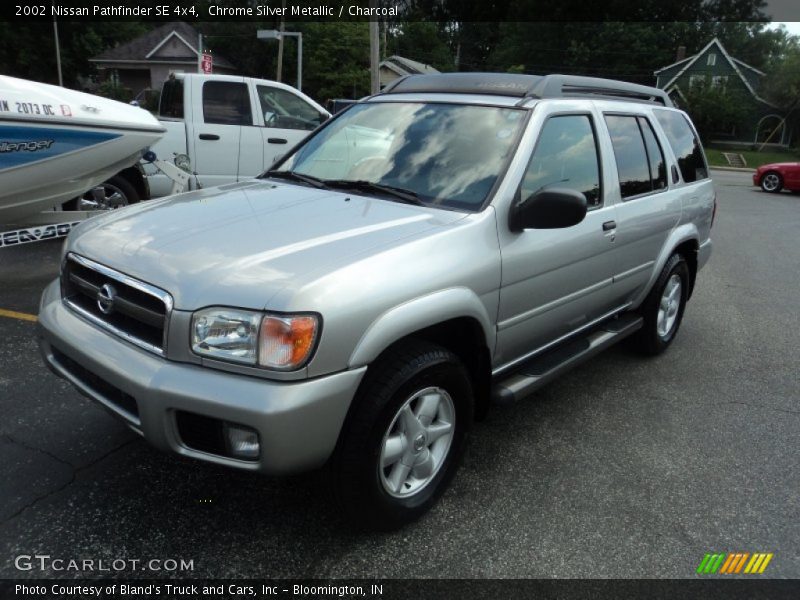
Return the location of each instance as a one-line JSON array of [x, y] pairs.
[[550, 208]]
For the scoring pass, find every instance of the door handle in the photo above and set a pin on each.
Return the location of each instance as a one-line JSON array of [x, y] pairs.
[[277, 141], [209, 136], [609, 225]]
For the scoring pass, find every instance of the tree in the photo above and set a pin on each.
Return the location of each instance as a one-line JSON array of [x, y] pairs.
[[782, 87], [714, 108]]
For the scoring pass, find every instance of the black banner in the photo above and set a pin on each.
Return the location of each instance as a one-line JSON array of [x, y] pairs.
[[193, 11], [463, 589]]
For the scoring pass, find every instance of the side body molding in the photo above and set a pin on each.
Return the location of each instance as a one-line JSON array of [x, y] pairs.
[[417, 314]]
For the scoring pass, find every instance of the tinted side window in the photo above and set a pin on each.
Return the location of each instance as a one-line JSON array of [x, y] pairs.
[[655, 156], [565, 156], [284, 110], [632, 165], [684, 144], [171, 102], [226, 103]]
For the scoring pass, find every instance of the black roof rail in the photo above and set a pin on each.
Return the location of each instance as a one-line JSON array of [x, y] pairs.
[[526, 86]]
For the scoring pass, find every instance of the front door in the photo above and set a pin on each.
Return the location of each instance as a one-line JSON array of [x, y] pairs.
[[287, 119], [556, 280]]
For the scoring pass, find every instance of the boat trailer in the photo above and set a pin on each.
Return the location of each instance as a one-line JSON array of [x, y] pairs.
[[57, 223]]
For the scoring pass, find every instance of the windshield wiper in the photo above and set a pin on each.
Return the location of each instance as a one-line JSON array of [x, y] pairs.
[[294, 176], [362, 185]]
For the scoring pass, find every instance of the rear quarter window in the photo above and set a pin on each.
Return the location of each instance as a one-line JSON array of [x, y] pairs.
[[684, 143]]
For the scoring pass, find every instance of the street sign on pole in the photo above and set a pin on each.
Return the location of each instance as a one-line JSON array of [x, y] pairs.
[[207, 63]]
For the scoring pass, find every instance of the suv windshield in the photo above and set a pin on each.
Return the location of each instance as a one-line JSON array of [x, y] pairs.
[[441, 154]]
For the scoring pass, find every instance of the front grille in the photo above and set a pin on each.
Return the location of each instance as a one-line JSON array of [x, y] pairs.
[[132, 309], [98, 385]]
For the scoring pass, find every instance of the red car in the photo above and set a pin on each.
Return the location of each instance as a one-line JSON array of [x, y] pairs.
[[778, 176]]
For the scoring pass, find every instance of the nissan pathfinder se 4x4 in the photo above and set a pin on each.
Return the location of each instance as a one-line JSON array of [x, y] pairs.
[[454, 240]]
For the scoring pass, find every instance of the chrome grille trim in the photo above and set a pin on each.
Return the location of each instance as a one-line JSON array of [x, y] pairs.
[[140, 286]]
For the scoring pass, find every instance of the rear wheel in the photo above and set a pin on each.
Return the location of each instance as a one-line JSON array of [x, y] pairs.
[[663, 308], [772, 182], [404, 438]]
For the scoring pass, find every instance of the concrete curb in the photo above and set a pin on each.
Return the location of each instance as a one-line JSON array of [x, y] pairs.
[[739, 169]]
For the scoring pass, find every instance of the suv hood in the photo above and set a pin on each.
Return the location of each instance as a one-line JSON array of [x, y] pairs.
[[239, 244]]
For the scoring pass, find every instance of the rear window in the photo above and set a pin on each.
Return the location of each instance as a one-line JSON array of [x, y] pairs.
[[226, 103], [684, 144], [171, 103]]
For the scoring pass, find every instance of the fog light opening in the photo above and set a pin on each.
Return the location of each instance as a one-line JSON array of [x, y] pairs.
[[242, 442]]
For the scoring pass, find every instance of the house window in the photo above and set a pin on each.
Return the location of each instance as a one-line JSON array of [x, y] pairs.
[[712, 60], [719, 81], [697, 80]]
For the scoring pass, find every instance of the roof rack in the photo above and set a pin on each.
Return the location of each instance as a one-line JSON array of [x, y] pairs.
[[527, 86]]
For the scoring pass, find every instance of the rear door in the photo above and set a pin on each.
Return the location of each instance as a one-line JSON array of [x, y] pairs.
[[223, 109], [648, 207], [286, 119]]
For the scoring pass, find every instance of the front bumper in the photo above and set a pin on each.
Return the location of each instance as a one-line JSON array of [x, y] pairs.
[[298, 423]]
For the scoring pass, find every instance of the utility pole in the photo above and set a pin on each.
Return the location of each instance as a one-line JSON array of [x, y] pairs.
[[58, 51], [374, 54], [199, 52], [280, 42]]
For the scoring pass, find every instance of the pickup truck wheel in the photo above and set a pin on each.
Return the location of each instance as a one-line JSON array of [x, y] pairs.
[[663, 308], [772, 182], [404, 438]]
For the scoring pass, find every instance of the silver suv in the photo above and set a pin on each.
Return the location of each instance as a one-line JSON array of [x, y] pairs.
[[455, 240]]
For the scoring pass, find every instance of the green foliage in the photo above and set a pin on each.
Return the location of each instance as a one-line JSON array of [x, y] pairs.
[[110, 89], [783, 85], [30, 52], [715, 108], [423, 41]]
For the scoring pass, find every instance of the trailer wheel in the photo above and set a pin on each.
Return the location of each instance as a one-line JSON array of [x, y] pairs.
[[112, 193]]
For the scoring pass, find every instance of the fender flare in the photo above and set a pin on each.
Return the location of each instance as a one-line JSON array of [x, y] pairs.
[[419, 313], [683, 233]]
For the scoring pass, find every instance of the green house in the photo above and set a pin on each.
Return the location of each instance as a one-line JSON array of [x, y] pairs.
[[761, 122]]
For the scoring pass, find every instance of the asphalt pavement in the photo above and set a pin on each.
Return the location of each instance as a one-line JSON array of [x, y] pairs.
[[625, 467]]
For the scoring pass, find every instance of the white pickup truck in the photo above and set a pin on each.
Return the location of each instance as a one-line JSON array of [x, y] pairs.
[[229, 127]]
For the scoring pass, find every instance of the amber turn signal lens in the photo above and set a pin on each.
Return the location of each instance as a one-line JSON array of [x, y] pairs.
[[286, 341]]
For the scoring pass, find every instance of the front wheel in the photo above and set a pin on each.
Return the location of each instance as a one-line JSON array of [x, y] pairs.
[[404, 437], [663, 308], [772, 182]]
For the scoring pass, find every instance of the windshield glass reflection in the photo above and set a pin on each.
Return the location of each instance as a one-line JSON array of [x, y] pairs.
[[445, 154]]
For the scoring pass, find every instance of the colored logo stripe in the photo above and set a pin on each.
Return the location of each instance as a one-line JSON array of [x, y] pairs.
[[734, 562], [22, 145]]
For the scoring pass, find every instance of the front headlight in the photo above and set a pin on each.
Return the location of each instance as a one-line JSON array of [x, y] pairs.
[[227, 334], [279, 342]]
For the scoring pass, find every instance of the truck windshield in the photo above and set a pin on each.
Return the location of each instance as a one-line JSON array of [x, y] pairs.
[[441, 154]]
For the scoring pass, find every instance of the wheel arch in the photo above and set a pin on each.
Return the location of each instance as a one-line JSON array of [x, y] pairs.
[[684, 240], [454, 319]]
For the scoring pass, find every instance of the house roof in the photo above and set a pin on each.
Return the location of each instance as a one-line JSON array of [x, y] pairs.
[[143, 48], [406, 66], [732, 61]]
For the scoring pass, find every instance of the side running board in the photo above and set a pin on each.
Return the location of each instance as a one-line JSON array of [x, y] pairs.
[[539, 370]]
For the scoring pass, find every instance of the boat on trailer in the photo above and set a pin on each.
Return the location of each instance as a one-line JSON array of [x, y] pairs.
[[56, 143]]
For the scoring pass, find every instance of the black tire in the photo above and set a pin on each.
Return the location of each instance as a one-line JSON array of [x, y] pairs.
[[116, 184], [769, 177], [648, 340], [389, 383]]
